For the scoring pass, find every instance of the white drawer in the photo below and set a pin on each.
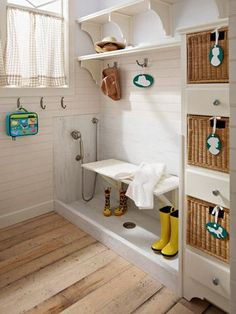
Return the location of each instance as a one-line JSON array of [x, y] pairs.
[[209, 273], [208, 185], [201, 101]]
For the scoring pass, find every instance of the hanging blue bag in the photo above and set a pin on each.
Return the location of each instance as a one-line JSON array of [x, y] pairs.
[[21, 123]]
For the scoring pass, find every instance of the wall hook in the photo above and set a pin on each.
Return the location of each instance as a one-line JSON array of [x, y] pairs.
[[144, 64], [41, 104], [115, 65], [18, 103], [62, 103]]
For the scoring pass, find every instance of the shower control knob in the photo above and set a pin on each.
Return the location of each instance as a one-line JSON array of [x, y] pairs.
[[216, 192], [216, 102], [78, 158], [215, 281]]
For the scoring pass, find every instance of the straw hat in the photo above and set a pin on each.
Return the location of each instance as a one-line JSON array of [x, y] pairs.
[[108, 44]]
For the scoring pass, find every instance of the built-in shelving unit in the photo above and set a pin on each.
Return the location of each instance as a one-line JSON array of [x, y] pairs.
[[122, 17]]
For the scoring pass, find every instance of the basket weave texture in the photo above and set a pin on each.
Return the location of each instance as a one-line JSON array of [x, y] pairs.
[[200, 69], [197, 236], [199, 128]]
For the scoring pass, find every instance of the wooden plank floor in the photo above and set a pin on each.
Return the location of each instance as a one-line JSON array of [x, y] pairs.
[[48, 265]]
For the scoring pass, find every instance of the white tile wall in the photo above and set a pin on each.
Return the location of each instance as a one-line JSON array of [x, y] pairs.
[[145, 125], [232, 24]]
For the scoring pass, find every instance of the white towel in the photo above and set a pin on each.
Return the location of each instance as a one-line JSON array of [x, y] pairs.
[[141, 189]]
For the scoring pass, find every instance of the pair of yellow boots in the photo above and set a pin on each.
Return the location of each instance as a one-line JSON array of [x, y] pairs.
[[168, 243], [119, 211]]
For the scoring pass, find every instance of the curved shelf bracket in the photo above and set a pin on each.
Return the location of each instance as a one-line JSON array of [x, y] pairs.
[[93, 29], [94, 67], [164, 11], [223, 8], [124, 24]]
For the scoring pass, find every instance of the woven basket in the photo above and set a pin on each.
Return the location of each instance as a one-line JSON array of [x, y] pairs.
[[200, 69], [197, 236], [199, 128]]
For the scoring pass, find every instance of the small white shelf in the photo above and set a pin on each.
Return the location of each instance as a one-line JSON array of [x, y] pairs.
[[129, 51], [114, 169]]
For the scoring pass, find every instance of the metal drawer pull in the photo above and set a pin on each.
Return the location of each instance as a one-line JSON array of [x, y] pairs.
[[215, 281], [216, 102], [216, 192]]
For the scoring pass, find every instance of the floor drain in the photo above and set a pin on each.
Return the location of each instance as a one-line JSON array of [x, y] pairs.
[[129, 225]]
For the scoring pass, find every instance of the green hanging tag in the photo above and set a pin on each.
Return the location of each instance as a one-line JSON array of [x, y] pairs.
[[214, 144], [216, 54], [213, 141], [216, 230], [143, 80]]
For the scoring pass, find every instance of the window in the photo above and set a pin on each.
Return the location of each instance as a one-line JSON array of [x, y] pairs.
[[34, 46]]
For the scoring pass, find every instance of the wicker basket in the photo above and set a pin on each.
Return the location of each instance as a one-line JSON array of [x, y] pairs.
[[200, 69], [197, 236], [199, 128]]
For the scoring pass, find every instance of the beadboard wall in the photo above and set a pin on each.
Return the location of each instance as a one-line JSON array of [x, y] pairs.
[[145, 124], [232, 24], [27, 164]]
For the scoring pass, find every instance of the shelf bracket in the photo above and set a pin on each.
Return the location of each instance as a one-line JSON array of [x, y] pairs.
[[223, 8], [124, 24], [164, 11], [94, 67], [94, 30]]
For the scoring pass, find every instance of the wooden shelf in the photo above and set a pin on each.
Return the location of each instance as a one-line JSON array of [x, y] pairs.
[[94, 62], [121, 16]]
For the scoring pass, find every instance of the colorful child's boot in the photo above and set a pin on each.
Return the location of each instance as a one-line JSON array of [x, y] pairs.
[[119, 211], [165, 229], [107, 208], [171, 249]]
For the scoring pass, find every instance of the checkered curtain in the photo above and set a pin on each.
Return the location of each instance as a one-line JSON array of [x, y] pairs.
[[3, 81], [35, 49]]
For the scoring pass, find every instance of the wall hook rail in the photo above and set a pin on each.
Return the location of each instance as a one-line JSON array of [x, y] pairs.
[[144, 64], [42, 104], [62, 103], [18, 104]]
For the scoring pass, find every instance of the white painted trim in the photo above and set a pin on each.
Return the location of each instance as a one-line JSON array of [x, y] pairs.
[[203, 27], [168, 276], [26, 213]]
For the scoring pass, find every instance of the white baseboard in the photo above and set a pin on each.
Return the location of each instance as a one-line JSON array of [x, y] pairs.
[[26, 213]]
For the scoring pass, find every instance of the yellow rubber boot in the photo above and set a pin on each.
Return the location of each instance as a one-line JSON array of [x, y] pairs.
[[121, 210], [107, 208], [171, 249], [165, 229]]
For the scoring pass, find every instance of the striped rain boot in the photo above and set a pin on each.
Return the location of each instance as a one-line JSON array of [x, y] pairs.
[[119, 211]]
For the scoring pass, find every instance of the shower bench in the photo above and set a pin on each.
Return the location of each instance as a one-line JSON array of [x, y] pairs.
[[112, 170]]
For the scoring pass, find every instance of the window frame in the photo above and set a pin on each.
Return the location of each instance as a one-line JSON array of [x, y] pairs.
[[9, 91]]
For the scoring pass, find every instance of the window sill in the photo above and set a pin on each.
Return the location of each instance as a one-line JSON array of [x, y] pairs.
[[36, 91]]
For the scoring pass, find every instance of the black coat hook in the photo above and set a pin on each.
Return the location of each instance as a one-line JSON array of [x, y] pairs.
[[144, 64], [41, 104], [18, 103], [62, 103]]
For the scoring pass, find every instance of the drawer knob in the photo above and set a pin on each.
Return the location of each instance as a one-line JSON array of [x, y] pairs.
[[216, 102], [215, 281], [216, 192]]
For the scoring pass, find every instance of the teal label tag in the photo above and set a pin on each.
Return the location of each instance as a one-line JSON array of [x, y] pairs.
[[216, 55], [143, 80], [214, 144], [216, 230]]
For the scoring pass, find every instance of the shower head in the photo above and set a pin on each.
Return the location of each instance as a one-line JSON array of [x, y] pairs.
[[76, 135], [95, 121]]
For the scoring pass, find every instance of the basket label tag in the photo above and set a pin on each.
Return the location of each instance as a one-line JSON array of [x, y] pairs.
[[214, 144], [216, 55], [216, 230]]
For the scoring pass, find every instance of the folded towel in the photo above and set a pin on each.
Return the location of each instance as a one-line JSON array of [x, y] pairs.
[[141, 189]]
